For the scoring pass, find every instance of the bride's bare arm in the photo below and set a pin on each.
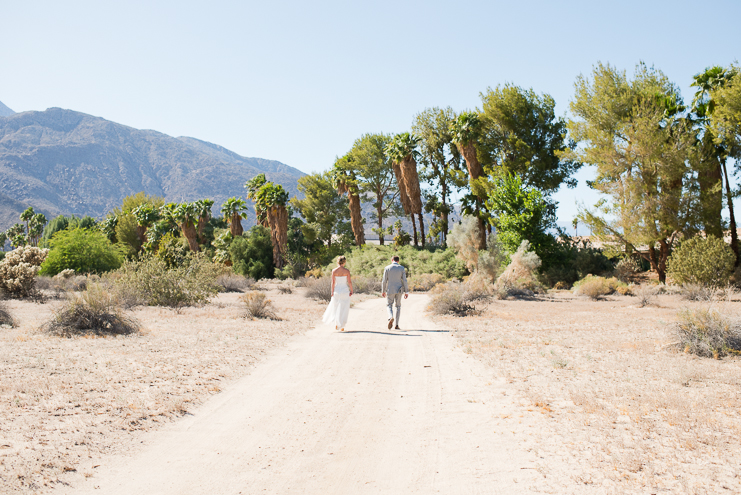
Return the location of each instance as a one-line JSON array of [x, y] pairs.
[[332, 283], [349, 282]]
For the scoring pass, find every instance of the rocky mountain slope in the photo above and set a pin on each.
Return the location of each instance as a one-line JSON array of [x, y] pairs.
[[5, 111], [62, 161]]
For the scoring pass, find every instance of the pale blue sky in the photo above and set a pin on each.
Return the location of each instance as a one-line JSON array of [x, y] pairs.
[[299, 81]]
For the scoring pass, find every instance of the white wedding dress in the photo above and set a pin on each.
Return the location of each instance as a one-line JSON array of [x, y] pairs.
[[339, 305]]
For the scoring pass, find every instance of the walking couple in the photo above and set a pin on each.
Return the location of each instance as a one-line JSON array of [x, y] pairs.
[[393, 285]]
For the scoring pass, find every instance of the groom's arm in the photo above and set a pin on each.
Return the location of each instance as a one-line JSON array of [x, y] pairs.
[[404, 280], [384, 282]]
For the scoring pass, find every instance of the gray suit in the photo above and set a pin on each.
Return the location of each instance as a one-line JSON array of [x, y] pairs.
[[394, 284]]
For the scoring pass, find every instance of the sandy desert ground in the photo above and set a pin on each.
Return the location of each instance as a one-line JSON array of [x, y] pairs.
[[559, 395]]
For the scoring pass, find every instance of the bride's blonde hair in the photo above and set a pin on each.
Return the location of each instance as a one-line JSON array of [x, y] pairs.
[[341, 260]]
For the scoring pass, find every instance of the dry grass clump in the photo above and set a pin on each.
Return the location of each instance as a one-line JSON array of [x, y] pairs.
[[596, 288], [460, 299], [425, 282], [257, 305], [366, 285], [5, 317], [18, 271], [699, 292], [64, 281], [626, 269], [520, 276], [92, 312], [707, 333], [232, 282], [319, 288], [645, 293]]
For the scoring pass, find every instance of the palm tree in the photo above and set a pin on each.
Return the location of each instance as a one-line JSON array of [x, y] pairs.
[[145, 215], [703, 106], [402, 152], [466, 130], [204, 215], [272, 199], [233, 210], [253, 185], [345, 182], [186, 215]]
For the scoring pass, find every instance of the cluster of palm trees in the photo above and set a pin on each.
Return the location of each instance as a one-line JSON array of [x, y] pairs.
[[27, 233], [190, 217]]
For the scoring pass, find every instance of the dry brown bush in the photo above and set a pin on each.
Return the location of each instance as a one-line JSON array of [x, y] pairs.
[[366, 285], [596, 288], [5, 317], [707, 333], [257, 305], [425, 282], [92, 312], [285, 289], [646, 294], [520, 276], [460, 299], [699, 292], [626, 269], [319, 288], [232, 282]]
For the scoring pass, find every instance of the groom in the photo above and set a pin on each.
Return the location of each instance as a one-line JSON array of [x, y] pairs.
[[394, 280]]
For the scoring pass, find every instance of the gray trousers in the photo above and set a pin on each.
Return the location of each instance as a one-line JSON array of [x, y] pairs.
[[390, 300]]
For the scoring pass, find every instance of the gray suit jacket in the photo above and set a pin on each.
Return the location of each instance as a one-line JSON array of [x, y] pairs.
[[394, 279]]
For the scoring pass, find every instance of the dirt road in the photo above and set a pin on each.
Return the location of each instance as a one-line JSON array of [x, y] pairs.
[[362, 411]]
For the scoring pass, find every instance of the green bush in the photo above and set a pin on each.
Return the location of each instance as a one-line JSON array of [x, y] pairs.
[[705, 261], [173, 250], [370, 260], [81, 250], [62, 222], [151, 282], [252, 253]]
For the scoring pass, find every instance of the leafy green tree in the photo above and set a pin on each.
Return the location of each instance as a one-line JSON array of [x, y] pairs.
[[62, 222], [146, 215], [402, 151], [713, 153], [375, 176], [3, 240], [325, 212], [234, 210], [252, 253], [522, 213], [631, 130], [441, 163], [125, 229], [700, 260], [82, 250], [522, 136]]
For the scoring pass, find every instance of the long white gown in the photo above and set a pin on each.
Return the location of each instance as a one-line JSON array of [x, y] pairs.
[[339, 305]]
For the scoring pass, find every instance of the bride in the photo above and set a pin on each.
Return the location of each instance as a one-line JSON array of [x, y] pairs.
[[339, 305]]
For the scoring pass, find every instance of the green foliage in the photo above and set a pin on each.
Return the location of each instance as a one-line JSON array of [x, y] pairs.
[[706, 261], [325, 211], [370, 260], [149, 281], [62, 222], [173, 250], [522, 136], [401, 146], [570, 261], [401, 238], [252, 253], [725, 120], [146, 214], [467, 128], [81, 250], [522, 213], [126, 224]]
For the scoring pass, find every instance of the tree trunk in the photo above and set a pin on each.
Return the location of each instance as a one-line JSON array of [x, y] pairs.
[[356, 218], [711, 188], [235, 225], [414, 229], [141, 233], [475, 170], [444, 213], [482, 234], [663, 256], [278, 220], [191, 235], [422, 229], [732, 216], [403, 195], [379, 214]]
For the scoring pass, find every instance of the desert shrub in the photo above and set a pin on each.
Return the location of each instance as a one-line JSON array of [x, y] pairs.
[[595, 287], [706, 332], [257, 305], [366, 285], [93, 312], [646, 294], [6, 318], [570, 261], [18, 271], [62, 282], [705, 261], [252, 253], [370, 260], [699, 292], [173, 250], [625, 290], [150, 282], [319, 288], [425, 282], [459, 298], [231, 282], [463, 239], [81, 250], [520, 276], [626, 268]]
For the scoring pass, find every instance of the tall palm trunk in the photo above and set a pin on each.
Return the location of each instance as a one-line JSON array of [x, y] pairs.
[[411, 184], [406, 203], [356, 218], [278, 221], [141, 233], [729, 199], [235, 225], [475, 170], [191, 235]]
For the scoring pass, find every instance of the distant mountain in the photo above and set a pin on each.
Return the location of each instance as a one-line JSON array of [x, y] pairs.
[[66, 162], [5, 111]]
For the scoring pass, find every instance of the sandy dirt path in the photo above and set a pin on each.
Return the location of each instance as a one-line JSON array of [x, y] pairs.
[[362, 411]]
